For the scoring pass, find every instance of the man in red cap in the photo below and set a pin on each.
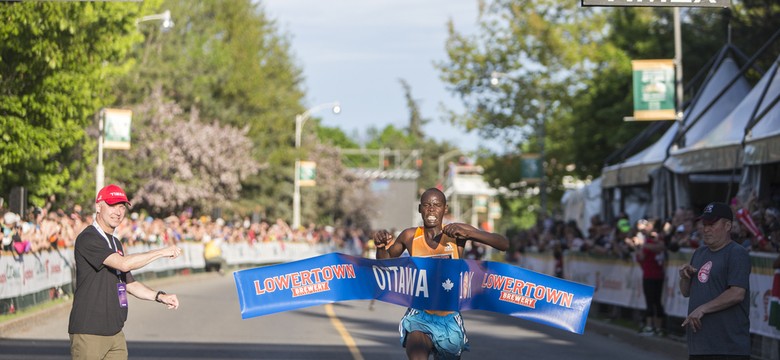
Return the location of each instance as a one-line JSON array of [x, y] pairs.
[[717, 282], [103, 280]]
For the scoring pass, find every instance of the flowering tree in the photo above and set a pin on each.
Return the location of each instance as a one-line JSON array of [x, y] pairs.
[[185, 162]]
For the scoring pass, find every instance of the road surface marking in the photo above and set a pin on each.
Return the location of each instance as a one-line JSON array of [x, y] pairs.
[[343, 332]]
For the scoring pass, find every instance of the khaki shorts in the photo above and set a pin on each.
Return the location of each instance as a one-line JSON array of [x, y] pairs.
[[89, 347]]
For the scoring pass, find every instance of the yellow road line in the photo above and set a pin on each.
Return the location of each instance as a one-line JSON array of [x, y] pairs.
[[343, 332]]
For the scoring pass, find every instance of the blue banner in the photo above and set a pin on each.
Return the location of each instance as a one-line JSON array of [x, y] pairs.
[[422, 283]]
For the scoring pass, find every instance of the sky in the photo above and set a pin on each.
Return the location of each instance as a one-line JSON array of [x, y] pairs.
[[355, 52]]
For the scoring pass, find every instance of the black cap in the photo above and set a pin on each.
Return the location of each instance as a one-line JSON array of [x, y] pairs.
[[715, 211]]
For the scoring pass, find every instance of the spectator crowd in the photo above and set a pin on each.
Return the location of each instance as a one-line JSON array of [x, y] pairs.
[[42, 229], [756, 227]]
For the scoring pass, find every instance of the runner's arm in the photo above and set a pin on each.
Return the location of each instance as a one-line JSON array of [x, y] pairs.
[[468, 232]]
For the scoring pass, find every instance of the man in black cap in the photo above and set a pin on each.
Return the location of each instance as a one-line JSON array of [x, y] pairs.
[[717, 282]]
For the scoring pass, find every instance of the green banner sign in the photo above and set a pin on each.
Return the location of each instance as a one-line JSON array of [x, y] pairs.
[[116, 128], [308, 173], [494, 211], [531, 168], [653, 89]]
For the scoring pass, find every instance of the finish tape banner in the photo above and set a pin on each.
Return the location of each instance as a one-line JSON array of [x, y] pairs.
[[421, 283]]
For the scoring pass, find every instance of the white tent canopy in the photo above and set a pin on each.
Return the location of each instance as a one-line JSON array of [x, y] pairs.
[[581, 204], [762, 144], [636, 169], [713, 129]]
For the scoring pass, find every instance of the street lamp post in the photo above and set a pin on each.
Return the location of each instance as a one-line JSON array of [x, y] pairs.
[[443, 157], [542, 176], [164, 18], [167, 23], [100, 172], [300, 119]]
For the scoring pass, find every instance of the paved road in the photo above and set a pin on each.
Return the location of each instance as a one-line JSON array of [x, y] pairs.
[[208, 325]]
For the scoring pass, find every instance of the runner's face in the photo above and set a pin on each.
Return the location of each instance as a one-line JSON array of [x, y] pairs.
[[432, 208]]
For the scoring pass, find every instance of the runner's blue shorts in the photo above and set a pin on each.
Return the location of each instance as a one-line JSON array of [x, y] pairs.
[[447, 332]]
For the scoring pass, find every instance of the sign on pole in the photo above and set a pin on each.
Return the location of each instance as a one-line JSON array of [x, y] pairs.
[[308, 173], [116, 130], [531, 168], [654, 89], [494, 211], [670, 3], [481, 203]]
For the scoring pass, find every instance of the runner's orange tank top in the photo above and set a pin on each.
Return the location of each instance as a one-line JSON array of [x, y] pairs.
[[445, 250]]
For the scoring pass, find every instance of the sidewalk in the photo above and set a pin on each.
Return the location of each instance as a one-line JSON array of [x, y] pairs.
[[671, 346]]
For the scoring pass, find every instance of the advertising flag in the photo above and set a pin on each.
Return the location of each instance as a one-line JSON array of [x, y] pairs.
[[308, 173], [116, 131], [653, 89]]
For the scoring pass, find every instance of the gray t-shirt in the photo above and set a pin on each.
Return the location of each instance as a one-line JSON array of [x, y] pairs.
[[726, 332]]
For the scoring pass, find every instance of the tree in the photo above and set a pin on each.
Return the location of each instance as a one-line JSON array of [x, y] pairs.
[[518, 75], [605, 99], [568, 69], [340, 196], [188, 162], [57, 63], [228, 61], [416, 121]]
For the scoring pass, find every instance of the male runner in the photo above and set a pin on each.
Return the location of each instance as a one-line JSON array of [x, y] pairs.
[[426, 331]]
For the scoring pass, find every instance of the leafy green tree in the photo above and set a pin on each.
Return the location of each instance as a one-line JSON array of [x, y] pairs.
[[57, 66], [518, 75], [545, 65], [606, 97], [416, 121]]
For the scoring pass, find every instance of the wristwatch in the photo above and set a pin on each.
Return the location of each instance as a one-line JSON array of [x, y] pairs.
[[157, 297]]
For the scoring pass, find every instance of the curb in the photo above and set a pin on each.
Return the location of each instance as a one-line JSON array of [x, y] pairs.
[[671, 346]]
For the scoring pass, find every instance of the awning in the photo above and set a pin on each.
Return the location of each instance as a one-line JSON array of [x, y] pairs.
[[712, 142], [721, 148], [469, 185], [636, 169], [762, 144]]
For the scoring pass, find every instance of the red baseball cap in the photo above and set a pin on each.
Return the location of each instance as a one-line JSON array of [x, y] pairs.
[[112, 194]]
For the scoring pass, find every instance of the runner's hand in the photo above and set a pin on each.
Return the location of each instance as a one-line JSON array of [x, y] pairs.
[[458, 230], [382, 238]]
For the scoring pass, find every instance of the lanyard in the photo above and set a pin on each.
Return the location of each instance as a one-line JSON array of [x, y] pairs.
[[113, 240]]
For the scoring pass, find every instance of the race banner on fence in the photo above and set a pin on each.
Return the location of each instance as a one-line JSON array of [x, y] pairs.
[[422, 283]]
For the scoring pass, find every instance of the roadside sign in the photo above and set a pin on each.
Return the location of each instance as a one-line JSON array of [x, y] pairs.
[[531, 168], [116, 129], [307, 173], [653, 85]]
